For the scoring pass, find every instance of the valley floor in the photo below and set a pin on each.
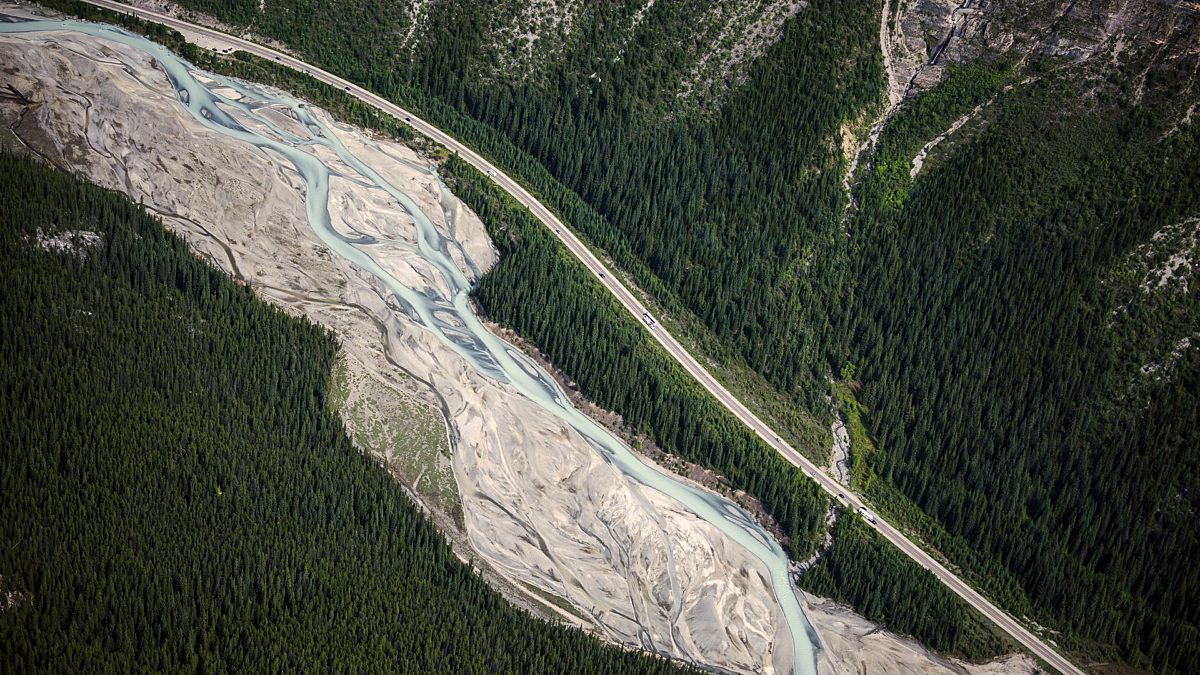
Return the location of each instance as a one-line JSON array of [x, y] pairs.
[[519, 491]]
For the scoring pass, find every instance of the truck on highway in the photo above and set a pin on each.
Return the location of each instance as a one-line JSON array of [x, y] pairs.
[[648, 319], [866, 515]]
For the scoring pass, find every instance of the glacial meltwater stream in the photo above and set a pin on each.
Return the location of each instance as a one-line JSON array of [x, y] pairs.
[[450, 318]]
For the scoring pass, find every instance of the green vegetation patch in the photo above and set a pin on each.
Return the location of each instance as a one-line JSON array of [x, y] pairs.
[[920, 121], [408, 436]]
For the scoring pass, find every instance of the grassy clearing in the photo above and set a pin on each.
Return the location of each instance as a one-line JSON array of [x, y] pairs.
[[551, 599], [861, 447], [407, 435]]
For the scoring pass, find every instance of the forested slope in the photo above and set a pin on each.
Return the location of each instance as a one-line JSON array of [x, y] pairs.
[[175, 493], [1029, 382]]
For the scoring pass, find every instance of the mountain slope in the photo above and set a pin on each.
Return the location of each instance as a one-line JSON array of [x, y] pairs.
[[1023, 332]]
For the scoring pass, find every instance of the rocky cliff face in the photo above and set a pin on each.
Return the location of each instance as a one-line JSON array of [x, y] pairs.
[[920, 38]]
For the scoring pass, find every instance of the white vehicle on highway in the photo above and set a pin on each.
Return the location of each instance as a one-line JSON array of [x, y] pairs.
[[866, 515], [648, 319]]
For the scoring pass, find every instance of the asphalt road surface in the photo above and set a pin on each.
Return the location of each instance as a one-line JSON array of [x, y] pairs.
[[635, 307]]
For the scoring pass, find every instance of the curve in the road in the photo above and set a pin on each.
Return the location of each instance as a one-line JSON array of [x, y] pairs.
[[635, 307]]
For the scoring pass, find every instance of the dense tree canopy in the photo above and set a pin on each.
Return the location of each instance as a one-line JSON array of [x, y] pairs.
[[1023, 386]]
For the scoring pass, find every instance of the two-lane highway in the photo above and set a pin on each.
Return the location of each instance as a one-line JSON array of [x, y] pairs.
[[635, 307]]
